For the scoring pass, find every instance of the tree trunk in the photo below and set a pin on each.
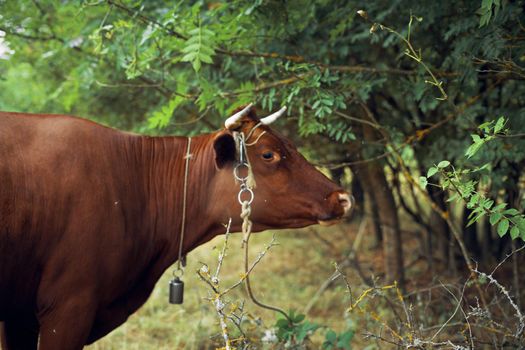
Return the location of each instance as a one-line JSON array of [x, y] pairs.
[[337, 175], [362, 176], [440, 229], [487, 241], [389, 221], [388, 216], [470, 236], [384, 213], [358, 193], [374, 212]]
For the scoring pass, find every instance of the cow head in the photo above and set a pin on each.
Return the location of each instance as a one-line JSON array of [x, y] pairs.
[[289, 191]]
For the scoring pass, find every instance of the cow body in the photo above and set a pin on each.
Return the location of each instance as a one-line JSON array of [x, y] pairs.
[[90, 219]]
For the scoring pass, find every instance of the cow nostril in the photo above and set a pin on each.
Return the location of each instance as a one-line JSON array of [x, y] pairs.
[[346, 201]]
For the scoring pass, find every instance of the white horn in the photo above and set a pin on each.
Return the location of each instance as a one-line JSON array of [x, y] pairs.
[[273, 117], [232, 121]]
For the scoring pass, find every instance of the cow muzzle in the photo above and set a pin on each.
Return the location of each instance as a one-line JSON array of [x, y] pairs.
[[342, 204]]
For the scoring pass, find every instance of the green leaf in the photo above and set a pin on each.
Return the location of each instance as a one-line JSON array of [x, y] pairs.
[[331, 336], [189, 57], [473, 200], [443, 164], [299, 318], [345, 340], [161, 118], [487, 203], [495, 217], [305, 330], [432, 171], [503, 227], [486, 126], [514, 232], [475, 218], [499, 125], [196, 65], [520, 222], [205, 58], [511, 212], [281, 323], [499, 207], [423, 182], [474, 148], [199, 48], [194, 48]]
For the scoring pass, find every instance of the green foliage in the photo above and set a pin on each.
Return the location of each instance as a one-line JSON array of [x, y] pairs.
[[199, 48], [488, 9], [335, 341], [340, 132], [161, 118], [489, 131], [296, 333], [465, 189]]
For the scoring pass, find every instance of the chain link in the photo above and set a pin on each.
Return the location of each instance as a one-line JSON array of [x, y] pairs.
[[243, 165], [238, 177], [246, 211], [247, 190]]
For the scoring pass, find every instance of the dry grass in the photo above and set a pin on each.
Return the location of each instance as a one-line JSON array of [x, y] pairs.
[[288, 277]]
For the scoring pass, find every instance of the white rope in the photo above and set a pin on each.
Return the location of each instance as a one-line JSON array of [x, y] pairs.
[[246, 210], [256, 140], [187, 157]]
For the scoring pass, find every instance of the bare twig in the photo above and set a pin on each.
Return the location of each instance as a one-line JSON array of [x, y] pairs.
[[222, 254], [338, 273], [252, 266], [458, 307], [506, 257], [521, 319]]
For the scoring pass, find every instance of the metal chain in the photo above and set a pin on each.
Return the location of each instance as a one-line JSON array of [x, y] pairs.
[[246, 211]]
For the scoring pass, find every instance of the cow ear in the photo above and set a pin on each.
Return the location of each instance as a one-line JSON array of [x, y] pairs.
[[225, 150]]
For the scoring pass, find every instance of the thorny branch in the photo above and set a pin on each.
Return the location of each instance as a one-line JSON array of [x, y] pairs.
[[521, 319], [217, 295]]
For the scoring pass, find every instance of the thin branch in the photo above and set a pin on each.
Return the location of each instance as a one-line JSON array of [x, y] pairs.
[[222, 254], [505, 292], [506, 257], [28, 36], [458, 307], [146, 20], [252, 266]]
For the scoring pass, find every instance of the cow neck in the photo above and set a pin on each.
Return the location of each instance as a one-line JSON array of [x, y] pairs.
[[193, 179], [161, 166]]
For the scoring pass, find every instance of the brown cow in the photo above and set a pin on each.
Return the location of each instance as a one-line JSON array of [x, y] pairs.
[[91, 216]]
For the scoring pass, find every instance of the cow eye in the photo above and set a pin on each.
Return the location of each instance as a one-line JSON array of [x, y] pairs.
[[268, 155]]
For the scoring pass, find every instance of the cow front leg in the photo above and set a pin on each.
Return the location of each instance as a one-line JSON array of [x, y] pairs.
[[17, 336], [67, 325], [109, 318]]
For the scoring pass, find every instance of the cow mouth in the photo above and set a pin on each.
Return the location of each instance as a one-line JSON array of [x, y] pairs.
[[329, 222], [344, 206]]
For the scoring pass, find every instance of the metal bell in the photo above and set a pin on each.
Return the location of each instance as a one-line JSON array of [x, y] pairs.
[[176, 291]]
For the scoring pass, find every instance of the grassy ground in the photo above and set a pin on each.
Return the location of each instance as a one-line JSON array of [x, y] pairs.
[[288, 276]]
